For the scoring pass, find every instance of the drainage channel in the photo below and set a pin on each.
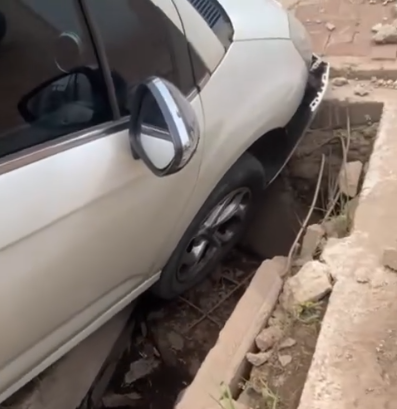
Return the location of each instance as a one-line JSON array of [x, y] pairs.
[[329, 166]]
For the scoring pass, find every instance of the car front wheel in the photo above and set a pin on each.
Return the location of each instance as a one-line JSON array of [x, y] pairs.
[[215, 230]]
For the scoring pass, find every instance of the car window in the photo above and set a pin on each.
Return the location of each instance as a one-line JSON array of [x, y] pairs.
[[140, 41], [50, 83]]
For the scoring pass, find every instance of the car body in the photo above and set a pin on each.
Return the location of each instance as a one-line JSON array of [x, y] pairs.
[[92, 209]]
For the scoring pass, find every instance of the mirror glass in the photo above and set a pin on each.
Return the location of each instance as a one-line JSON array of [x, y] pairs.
[[67, 101], [155, 137]]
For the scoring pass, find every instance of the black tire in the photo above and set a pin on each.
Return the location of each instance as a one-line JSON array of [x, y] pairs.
[[247, 172]]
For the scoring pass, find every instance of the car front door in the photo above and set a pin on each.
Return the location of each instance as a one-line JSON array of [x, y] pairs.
[[83, 224]]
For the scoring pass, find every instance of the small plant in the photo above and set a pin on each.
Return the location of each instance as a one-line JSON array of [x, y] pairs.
[[270, 398], [308, 312], [226, 400]]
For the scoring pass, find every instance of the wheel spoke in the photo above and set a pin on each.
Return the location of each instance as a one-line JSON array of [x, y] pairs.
[[235, 207], [195, 254]]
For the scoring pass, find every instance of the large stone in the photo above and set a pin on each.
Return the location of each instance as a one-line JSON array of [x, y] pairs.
[[339, 81], [268, 337], [311, 240], [349, 178], [286, 343], [386, 34], [258, 359], [310, 284]]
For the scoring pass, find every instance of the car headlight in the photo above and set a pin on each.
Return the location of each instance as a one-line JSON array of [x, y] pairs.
[[300, 38]]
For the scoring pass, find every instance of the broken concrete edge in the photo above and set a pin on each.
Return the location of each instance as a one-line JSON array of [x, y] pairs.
[[361, 68], [65, 384], [225, 364], [356, 265], [341, 103]]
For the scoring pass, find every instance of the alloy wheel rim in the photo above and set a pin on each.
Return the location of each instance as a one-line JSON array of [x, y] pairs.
[[221, 226]]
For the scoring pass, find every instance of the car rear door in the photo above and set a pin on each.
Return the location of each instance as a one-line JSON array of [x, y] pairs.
[[84, 226]]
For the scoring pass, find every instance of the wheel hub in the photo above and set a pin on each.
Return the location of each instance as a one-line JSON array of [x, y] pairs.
[[218, 229]]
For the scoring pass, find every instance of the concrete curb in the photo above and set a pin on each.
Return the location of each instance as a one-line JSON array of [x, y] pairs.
[[225, 363], [361, 68], [354, 364]]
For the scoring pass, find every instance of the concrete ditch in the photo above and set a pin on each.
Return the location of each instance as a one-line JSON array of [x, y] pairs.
[[351, 258]]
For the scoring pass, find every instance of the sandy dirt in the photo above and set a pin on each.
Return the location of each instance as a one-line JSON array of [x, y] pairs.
[[278, 384]]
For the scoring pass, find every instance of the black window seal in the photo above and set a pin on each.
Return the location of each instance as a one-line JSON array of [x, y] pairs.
[[101, 57]]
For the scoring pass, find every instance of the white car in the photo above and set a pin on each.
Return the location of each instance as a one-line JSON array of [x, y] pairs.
[[135, 138]]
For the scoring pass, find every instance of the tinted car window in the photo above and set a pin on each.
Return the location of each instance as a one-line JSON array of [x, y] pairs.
[[140, 41], [50, 84]]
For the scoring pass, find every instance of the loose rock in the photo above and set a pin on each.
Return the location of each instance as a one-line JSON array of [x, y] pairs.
[[258, 359], [310, 284], [361, 90], [337, 227], [390, 258], [311, 240], [285, 360], [376, 27], [268, 337], [176, 341], [387, 34], [339, 81], [330, 26], [349, 178], [287, 343], [140, 369]]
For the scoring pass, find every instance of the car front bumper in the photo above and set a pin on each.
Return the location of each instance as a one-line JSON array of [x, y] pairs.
[[296, 128], [316, 88]]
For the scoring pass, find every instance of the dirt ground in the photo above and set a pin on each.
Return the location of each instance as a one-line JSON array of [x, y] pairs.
[[278, 383], [172, 339]]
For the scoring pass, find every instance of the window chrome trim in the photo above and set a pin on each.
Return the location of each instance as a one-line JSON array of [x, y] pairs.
[[35, 153], [58, 145]]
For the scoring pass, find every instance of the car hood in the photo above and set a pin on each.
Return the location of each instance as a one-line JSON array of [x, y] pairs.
[[257, 19]]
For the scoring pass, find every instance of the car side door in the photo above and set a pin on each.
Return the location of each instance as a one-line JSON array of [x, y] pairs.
[[83, 223]]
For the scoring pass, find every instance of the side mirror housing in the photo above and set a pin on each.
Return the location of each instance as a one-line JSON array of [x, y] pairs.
[[164, 131]]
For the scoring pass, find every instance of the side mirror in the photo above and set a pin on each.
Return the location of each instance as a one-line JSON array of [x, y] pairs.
[[70, 100], [164, 130]]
